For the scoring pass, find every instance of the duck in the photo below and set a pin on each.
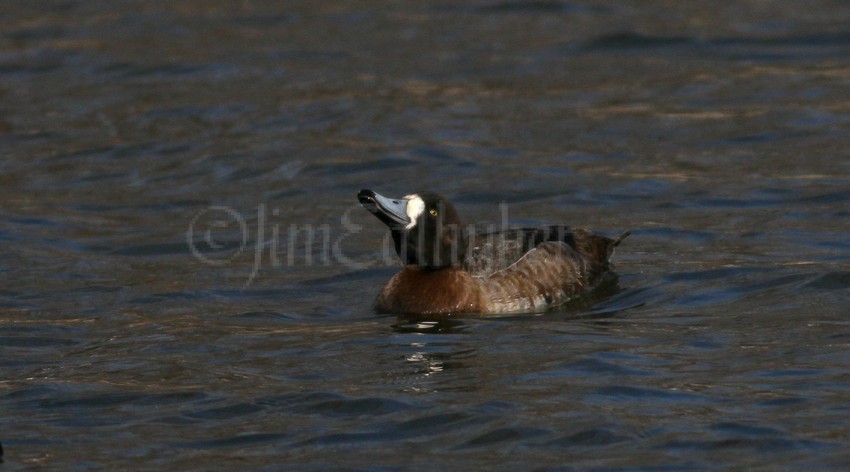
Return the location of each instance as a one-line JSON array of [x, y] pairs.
[[451, 270]]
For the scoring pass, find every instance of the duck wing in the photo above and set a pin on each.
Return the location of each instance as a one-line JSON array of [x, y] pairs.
[[563, 264], [490, 252], [548, 275]]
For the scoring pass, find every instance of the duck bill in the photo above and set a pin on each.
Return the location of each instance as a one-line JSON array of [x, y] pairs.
[[392, 211]]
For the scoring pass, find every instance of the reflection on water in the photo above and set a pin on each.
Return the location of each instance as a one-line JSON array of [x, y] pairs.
[[188, 277], [447, 326]]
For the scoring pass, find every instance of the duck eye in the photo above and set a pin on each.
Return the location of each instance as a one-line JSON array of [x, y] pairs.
[[433, 212]]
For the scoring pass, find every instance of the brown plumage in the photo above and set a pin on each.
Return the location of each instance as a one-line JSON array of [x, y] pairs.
[[514, 271], [420, 291]]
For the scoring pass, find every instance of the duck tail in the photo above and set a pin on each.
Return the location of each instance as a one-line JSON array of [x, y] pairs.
[[616, 240]]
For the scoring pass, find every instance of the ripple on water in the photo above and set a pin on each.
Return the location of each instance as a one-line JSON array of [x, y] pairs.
[[40, 336], [593, 437], [735, 435], [717, 286], [69, 409], [330, 404], [238, 440], [837, 280], [642, 394], [35, 341], [427, 426], [515, 435]]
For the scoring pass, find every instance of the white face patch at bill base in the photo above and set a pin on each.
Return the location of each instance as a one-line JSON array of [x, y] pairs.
[[415, 207]]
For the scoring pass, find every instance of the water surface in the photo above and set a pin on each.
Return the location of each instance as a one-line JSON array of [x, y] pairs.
[[188, 277]]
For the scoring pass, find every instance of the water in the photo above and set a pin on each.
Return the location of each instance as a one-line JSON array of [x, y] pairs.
[[718, 134]]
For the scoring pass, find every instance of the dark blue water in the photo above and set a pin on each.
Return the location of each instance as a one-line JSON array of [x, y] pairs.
[[187, 277]]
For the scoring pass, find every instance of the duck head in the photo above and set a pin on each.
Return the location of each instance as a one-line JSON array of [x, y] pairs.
[[425, 227]]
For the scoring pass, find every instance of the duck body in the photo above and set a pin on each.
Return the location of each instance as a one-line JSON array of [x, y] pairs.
[[451, 271], [419, 291]]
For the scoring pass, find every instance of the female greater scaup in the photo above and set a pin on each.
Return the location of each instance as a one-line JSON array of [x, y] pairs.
[[448, 271]]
